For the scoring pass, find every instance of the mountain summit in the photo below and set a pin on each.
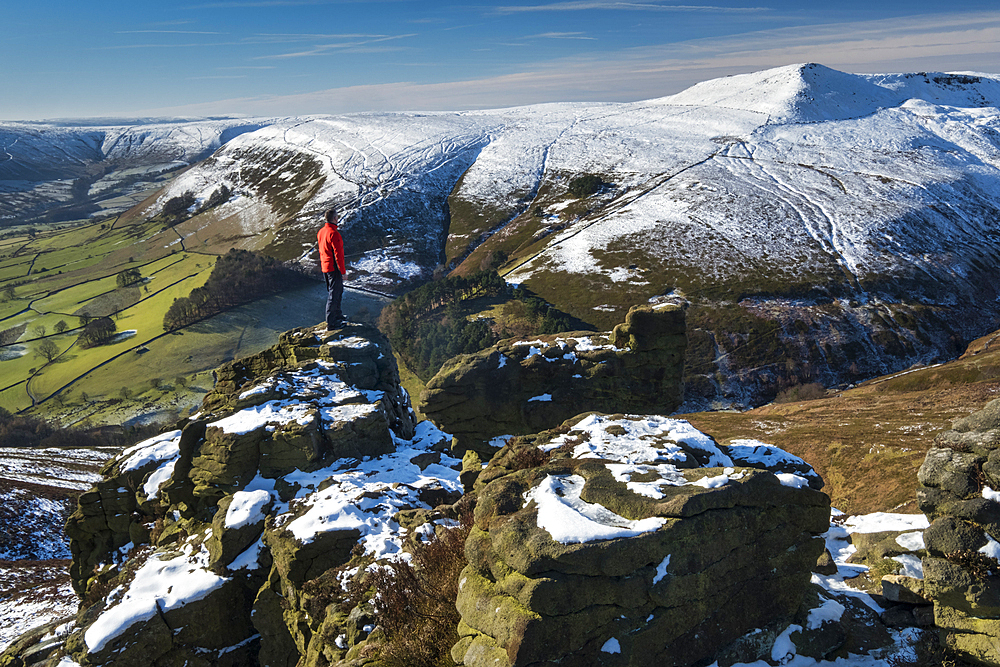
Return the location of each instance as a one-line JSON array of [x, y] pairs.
[[824, 226], [793, 94]]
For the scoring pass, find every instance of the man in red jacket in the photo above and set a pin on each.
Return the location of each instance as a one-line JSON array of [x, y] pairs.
[[331, 263]]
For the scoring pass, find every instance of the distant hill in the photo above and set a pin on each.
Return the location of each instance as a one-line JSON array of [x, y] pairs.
[[824, 226]]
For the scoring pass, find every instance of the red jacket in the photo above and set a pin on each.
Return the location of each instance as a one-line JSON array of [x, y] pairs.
[[331, 249]]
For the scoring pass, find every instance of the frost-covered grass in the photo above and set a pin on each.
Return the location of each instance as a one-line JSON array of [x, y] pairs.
[[33, 594], [59, 468]]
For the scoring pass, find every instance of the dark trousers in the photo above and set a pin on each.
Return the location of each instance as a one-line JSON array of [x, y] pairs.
[[334, 294]]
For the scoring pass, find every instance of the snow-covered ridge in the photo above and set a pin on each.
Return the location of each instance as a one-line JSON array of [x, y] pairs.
[[811, 92], [33, 148], [795, 180]]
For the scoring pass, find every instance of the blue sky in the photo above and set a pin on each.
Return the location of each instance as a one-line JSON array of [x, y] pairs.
[[72, 59]]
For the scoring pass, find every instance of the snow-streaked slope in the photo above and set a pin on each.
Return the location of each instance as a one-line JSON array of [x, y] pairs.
[[799, 180], [41, 162], [796, 94], [834, 163], [32, 150]]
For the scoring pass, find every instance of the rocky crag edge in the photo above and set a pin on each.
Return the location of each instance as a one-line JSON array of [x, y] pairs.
[[203, 546]]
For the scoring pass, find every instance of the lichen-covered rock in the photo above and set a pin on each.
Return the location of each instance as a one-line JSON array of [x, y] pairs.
[[959, 483], [630, 540], [230, 540], [518, 387]]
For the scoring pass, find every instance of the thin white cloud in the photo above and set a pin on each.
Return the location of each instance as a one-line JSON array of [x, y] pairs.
[[356, 46], [625, 6], [168, 32], [190, 45], [307, 36], [924, 43], [560, 35], [218, 76]]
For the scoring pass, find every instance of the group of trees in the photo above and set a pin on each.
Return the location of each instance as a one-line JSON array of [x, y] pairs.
[[586, 185], [99, 331], [9, 336], [129, 277], [177, 209], [24, 431], [428, 325], [110, 303], [239, 276]]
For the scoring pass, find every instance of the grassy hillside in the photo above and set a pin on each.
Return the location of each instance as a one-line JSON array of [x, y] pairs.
[[869, 441], [74, 272], [49, 279]]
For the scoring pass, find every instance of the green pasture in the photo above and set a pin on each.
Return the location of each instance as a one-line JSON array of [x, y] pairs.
[[15, 268], [10, 243], [146, 318], [83, 263], [22, 367], [168, 278], [9, 309], [61, 304], [201, 347]]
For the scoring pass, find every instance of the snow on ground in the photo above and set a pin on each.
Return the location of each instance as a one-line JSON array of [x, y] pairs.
[[571, 520], [784, 652], [31, 525], [12, 352], [22, 610], [161, 584], [363, 493], [347, 495], [53, 467], [770, 166], [36, 487]]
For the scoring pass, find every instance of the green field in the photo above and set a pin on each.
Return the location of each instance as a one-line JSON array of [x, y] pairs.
[[146, 371], [81, 265]]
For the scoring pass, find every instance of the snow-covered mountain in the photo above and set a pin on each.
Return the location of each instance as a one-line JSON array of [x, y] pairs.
[[48, 166], [823, 225]]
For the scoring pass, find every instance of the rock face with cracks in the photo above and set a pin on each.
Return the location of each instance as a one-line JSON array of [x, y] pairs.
[[626, 540], [232, 539], [519, 387], [959, 483], [249, 534]]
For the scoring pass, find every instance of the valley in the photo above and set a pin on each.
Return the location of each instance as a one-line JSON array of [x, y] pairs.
[[54, 278], [833, 239], [802, 261]]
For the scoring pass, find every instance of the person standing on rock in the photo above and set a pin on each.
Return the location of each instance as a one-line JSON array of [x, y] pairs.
[[331, 263]]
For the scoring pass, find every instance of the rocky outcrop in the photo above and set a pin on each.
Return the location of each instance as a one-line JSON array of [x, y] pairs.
[[261, 530], [959, 483], [233, 539], [634, 541], [519, 387]]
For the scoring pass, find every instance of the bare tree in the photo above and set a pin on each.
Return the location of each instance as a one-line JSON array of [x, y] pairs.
[[47, 349]]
